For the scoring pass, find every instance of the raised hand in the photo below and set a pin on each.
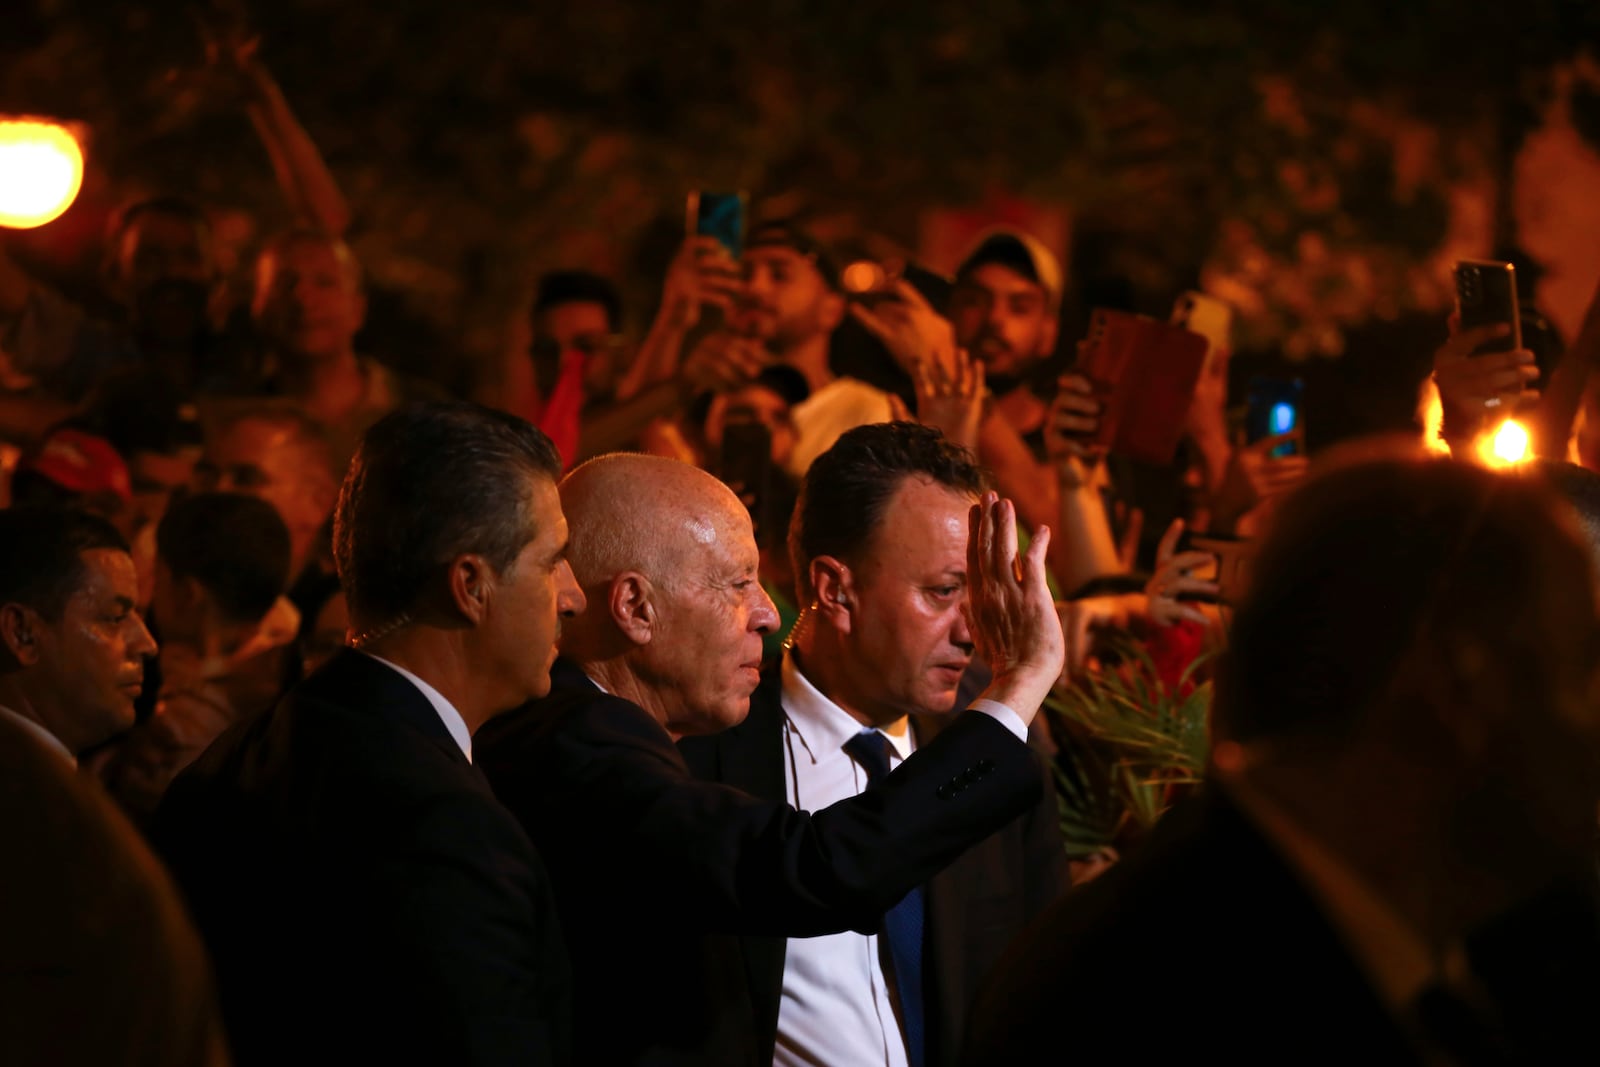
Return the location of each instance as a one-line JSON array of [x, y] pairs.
[[911, 330], [723, 361], [951, 403], [1254, 476], [232, 47], [1073, 418], [1471, 385], [701, 273], [1009, 609], [1172, 579]]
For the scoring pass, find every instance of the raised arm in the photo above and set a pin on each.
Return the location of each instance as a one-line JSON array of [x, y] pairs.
[[297, 163], [1084, 548]]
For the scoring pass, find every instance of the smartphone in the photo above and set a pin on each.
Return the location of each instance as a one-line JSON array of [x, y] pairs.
[[718, 215], [1234, 561], [1275, 407], [746, 466], [1144, 373], [1486, 293]]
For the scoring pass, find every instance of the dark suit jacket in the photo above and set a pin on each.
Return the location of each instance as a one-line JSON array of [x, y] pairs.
[[651, 865], [975, 906], [1202, 946], [98, 963], [1205, 947], [365, 898]]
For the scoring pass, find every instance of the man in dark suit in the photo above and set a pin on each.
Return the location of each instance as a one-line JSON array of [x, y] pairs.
[[364, 896], [98, 963], [1390, 862], [652, 866], [879, 546]]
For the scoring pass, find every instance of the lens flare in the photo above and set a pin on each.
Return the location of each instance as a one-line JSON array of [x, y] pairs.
[[1507, 446], [862, 276], [41, 171]]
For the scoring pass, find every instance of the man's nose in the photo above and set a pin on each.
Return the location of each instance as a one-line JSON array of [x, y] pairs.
[[143, 644], [570, 600], [764, 619], [961, 630]]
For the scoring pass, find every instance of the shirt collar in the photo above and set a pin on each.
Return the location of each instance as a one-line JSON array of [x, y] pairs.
[[50, 740], [822, 726], [446, 711]]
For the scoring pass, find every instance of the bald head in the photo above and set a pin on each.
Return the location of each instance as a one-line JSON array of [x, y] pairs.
[[668, 564], [629, 512]]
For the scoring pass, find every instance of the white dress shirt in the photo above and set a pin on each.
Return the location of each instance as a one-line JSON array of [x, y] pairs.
[[446, 711], [836, 1009], [50, 740]]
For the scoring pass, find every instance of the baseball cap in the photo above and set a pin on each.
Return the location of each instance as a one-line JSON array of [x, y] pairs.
[[80, 463], [1020, 252], [785, 233]]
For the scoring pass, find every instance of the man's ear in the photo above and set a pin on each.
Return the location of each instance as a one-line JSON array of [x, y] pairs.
[[20, 629], [472, 584], [830, 311], [835, 588], [631, 599]]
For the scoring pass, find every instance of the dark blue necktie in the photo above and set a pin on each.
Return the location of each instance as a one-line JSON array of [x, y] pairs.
[[902, 924]]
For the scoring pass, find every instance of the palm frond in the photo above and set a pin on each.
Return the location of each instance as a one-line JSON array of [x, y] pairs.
[[1128, 742]]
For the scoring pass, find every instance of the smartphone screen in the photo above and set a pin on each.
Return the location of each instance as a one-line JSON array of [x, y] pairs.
[[1486, 294], [718, 215], [1274, 408]]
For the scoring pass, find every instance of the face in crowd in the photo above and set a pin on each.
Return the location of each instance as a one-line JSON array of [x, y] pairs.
[[754, 403], [1003, 319], [530, 598], [787, 300], [308, 300], [713, 614], [576, 329], [906, 637], [164, 274], [267, 458], [90, 658]]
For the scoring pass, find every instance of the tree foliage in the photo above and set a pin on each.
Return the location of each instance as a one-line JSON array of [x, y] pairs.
[[482, 140]]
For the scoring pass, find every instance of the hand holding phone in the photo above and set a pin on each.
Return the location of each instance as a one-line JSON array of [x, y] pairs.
[[1144, 373], [1273, 409], [1471, 385], [720, 216], [1070, 427], [1175, 583], [1486, 295]]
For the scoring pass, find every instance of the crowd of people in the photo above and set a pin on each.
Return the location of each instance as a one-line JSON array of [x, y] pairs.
[[684, 705]]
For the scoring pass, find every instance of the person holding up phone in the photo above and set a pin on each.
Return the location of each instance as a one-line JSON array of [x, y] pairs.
[[1483, 370]]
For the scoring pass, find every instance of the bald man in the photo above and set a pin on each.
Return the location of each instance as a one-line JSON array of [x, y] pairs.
[[653, 869], [309, 305]]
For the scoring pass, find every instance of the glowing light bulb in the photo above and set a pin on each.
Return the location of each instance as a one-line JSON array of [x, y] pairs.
[[1507, 446], [41, 171]]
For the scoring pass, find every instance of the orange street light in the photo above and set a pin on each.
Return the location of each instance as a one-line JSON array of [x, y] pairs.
[[41, 171]]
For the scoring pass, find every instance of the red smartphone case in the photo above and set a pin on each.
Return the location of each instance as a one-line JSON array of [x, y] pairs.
[[1144, 372]]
